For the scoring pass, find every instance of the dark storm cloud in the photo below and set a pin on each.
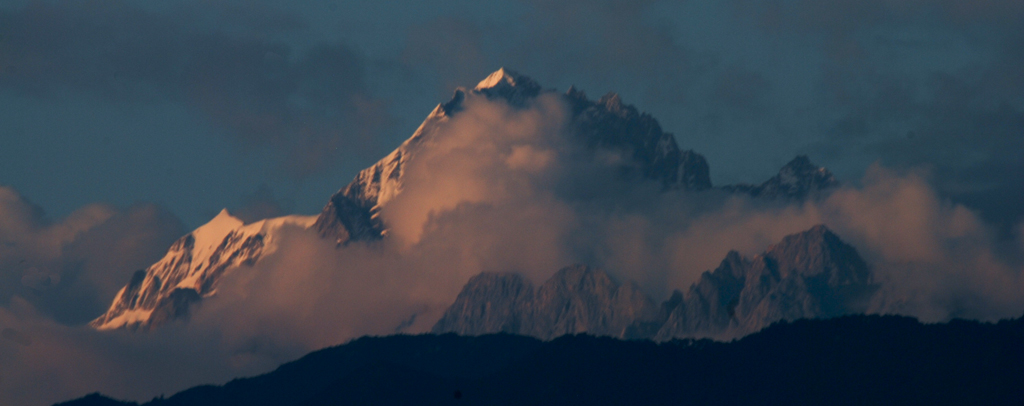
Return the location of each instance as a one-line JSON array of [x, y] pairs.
[[308, 105], [938, 84], [454, 48], [609, 42]]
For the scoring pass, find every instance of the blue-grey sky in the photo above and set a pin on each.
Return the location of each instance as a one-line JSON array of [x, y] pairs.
[[270, 106], [126, 123]]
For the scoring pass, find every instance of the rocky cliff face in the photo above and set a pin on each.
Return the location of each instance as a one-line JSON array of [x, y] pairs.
[[353, 213], [577, 299], [491, 303], [611, 124], [581, 299], [812, 274]]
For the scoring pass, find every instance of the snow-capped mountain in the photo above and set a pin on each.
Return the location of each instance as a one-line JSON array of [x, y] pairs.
[[812, 274], [191, 270], [353, 213], [194, 265]]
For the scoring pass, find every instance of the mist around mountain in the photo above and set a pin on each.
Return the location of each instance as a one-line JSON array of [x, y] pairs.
[[850, 360], [191, 270], [640, 151], [504, 181], [812, 274]]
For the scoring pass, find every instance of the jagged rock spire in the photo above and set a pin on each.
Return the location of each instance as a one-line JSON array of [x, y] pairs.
[[799, 179]]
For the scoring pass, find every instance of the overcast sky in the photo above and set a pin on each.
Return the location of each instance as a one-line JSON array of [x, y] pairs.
[[271, 106]]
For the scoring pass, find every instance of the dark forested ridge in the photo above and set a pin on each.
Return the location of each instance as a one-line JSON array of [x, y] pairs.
[[846, 360]]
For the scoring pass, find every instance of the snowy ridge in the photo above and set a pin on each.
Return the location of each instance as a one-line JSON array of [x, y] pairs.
[[496, 78], [353, 213], [191, 269]]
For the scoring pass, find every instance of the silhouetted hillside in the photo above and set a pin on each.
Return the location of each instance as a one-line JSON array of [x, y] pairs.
[[847, 360]]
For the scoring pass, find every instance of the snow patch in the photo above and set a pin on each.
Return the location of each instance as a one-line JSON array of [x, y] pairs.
[[129, 317]]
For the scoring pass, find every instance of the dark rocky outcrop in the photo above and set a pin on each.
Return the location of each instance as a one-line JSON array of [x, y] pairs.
[[577, 299], [797, 180], [611, 124], [812, 274]]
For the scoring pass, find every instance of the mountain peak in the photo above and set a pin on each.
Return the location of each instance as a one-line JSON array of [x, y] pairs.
[[820, 230], [576, 273], [223, 216], [211, 233], [574, 93], [498, 78], [191, 269], [808, 274], [509, 85], [578, 298], [798, 179], [819, 250], [817, 236], [506, 297], [800, 172], [610, 123], [799, 162]]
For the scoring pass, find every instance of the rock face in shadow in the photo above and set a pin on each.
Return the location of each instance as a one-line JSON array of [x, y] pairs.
[[577, 299], [490, 303], [797, 180], [581, 299], [812, 274], [608, 125]]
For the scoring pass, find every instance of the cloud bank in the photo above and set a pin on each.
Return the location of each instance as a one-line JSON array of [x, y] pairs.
[[70, 269], [495, 189]]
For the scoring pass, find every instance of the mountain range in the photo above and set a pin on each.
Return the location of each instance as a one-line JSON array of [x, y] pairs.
[[812, 274], [739, 297]]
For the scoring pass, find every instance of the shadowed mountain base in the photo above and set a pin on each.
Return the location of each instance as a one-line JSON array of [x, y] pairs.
[[843, 361]]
